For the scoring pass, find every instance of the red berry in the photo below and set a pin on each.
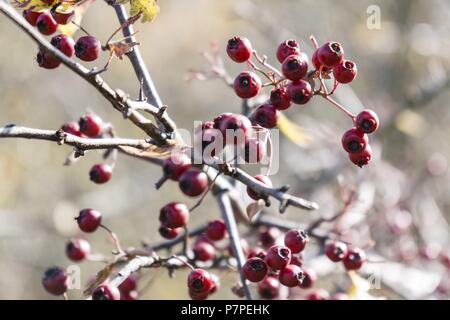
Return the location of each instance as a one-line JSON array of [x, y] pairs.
[[269, 236], [269, 288], [47, 60], [72, 128], [204, 251], [55, 281], [198, 295], [256, 252], [279, 98], [100, 173], [354, 259], [106, 292], [295, 67], [64, 44], [88, 48], [316, 62], [46, 24], [77, 249], [193, 182], [296, 240], [129, 284], [239, 49], [247, 85], [63, 17], [129, 295], [266, 116], [254, 151], [91, 125], [221, 118], [286, 49], [291, 276], [319, 295], [236, 128], [445, 259], [263, 179], [176, 165], [31, 16], [278, 257], [367, 121], [216, 281], [335, 250], [216, 230], [361, 158], [200, 281], [299, 92], [345, 72], [354, 141], [168, 233], [89, 220], [309, 278], [330, 54], [297, 260], [255, 269], [174, 215]]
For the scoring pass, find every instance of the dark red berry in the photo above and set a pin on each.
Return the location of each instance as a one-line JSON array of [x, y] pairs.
[[46, 24], [204, 251], [354, 259], [345, 72], [199, 280], [297, 260], [296, 240], [247, 85], [239, 49], [256, 252], [91, 125], [221, 118], [335, 250], [89, 220], [216, 230], [354, 141], [31, 16], [193, 182], [77, 249], [269, 288], [361, 158], [367, 121], [299, 92], [263, 179], [236, 128], [88, 48], [129, 295], [287, 48], [63, 17], [55, 281], [278, 257], [105, 292], [279, 98], [295, 67], [330, 54], [291, 276], [64, 44], [266, 116], [129, 284], [316, 62], [255, 269], [319, 295], [174, 215], [254, 151], [72, 128], [198, 295], [47, 60], [100, 173], [269, 236], [168, 233], [176, 165], [309, 278]]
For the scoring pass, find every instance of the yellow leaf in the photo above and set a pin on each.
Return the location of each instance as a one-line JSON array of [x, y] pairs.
[[149, 9], [70, 28], [37, 5], [292, 131]]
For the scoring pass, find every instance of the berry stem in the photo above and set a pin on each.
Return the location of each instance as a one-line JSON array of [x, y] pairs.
[[314, 42], [263, 61], [339, 106], [254, 67], [199, 202], [115, 240], [187, 264], [185, 240]]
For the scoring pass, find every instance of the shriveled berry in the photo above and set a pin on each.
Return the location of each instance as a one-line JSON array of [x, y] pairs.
[[361, 158], [296, 240], [63, 17], [239, 49], [266, 116], [309, 278], [280, 99], [193, 182], [269, 288], [77, 249], [286, 49], [247, 85], [204, 251], [106, 292], [88, 48], [200, 280], [55, 281], [331, 54], [354, 141], [174, 215], [169, 233], [367, 121], [255, 269], [295, 67], [31, 16], [291, 276], [254, 194], [91, 125], [64, 43], [345, 72], [72, 128], [254, 151], [176, 165], [100, 173], [89, 220], [299, 92], [278, 257], [236, 128], [335, 250], [355, 258], [216, 230], [47, 60], [46, 24]]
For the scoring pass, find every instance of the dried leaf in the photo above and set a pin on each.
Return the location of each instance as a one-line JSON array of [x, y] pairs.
[[153, 151], [148, 8], [101, 277], [254, 208]]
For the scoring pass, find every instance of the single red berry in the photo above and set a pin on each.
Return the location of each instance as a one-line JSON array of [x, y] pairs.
[[204, 251], [193, 182], [91, 125], [72, 128], [316, 62], [266, 116], [279, 98], [105, 292], [319, 294], [263, 179], [299, 92], [169, 233], [354, 259], [330, 54], [89, 220], [174, 215], [31, 16], [77, 249], [255, 269], [236, 128], [64, 44], [291, 276], [176, 165], [129, 284], [216, 281], [367, 121], [55, 281], [345, 72], [278, 257], [198, 296], [269, 288], [296, 240], [88, 48], [297, 260], [354, 141], [100, 173], [295, 67], [46, 24], [361, 158], [287, 48], [247, 85], [445, 259], [309, 278], [335, 250], [239, 49], [203, 238], [216, 230], [63, 17], [269, 236], [221, 118], [254, 151], [47, 60], [200, 280], [129, 295], [257, 252]]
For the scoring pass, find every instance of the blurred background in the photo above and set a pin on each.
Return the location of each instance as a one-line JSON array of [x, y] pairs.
[[402, 211]]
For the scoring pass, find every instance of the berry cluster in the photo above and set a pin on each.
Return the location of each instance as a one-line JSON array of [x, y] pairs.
[[296, 84], [353, 258]]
